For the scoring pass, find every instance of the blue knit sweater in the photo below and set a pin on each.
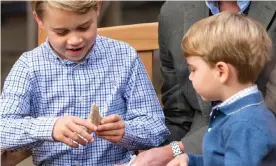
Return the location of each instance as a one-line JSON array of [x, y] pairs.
[[242, 133]]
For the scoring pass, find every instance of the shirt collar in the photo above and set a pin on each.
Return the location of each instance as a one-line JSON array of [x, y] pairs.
[[227, 104], [239, 95], [213, 5]]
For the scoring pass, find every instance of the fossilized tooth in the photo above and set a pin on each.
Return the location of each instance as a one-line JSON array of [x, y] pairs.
[[95, 116]]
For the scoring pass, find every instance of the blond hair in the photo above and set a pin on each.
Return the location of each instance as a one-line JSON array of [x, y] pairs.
[[80, 7], [232, 38]]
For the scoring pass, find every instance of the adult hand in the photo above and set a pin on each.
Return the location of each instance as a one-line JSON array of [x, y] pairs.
[[68, 129], [153, 157], [112, 128], [180, 160]]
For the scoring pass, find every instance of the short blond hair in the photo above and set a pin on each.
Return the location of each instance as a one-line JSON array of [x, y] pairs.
[[232, 38], [80, 7]]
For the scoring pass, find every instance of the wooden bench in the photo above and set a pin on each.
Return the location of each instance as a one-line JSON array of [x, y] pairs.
[[143, 37]]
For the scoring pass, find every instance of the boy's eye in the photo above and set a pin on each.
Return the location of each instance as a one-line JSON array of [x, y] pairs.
[[83, 28], [191, 69], [62, 33]]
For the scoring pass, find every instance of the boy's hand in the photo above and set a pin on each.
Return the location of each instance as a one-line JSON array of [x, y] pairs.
[[153, 157], [180, 160], [112, 128], [69, 128]]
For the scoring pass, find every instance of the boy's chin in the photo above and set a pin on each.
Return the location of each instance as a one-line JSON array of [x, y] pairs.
[[76, 58], [205, 99]]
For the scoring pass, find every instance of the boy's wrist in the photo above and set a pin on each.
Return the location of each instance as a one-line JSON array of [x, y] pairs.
[[42, 128], [187, 157], [127, 138]]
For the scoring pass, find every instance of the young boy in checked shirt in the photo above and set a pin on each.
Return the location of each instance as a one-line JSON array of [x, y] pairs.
[[225, 53], [48, 94]]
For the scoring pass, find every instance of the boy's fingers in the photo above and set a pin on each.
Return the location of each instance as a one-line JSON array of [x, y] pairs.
[[183, 160], [111, 126], [74, 136], [174, 162], [77, 138], [69, 142], [111, 119], [110, 133], [79, 130], [111, 138], [84, 123], [178, 161]]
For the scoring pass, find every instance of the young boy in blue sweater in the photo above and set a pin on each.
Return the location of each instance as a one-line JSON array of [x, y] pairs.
[[224, 64], [48, 94]]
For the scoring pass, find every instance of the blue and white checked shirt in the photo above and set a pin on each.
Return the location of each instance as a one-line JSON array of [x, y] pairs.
[[41, 87], [213, 5]]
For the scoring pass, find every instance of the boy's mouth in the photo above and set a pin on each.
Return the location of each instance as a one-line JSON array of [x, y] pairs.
[[75, 50]]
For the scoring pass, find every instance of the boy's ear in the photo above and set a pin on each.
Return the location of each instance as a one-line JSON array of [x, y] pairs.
[[38, 20], [222, 72], [99, 7]]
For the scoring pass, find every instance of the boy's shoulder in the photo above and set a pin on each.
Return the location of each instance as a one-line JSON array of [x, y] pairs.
[[107, 44], [35, 55], [253, 111], [254, 116], [115, 51]]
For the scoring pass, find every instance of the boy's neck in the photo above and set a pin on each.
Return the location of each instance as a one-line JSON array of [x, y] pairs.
[[229, 6], [231, 90]]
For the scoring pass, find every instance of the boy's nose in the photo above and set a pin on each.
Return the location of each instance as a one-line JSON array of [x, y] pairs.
[[75, 40]]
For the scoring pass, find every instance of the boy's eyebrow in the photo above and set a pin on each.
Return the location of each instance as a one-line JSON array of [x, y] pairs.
[[60, 29], [86, 22]]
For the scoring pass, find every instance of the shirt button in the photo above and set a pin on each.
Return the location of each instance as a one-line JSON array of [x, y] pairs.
[[209, 129], [82, 100], [214, 117]]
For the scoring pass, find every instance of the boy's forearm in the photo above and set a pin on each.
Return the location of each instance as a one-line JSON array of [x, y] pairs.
[[145, 136], [26, 132], [144, 118]]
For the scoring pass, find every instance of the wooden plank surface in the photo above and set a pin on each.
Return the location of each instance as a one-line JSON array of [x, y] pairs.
[[13, 158], [147, 59], [142, 37]]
